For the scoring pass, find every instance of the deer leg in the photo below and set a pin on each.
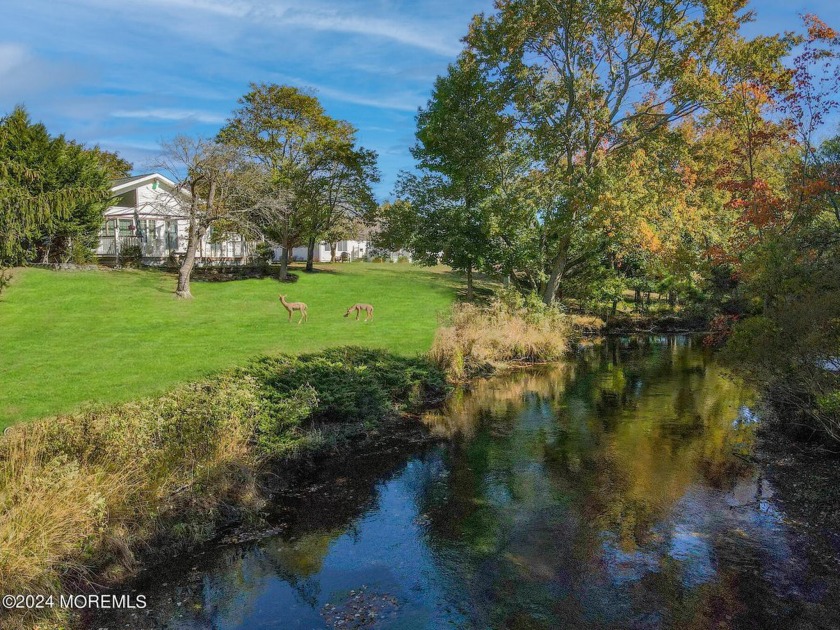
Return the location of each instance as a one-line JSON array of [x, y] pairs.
[[290, 316]]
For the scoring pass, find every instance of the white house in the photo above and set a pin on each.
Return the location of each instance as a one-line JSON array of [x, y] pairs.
[[146, 213], [344, 251]]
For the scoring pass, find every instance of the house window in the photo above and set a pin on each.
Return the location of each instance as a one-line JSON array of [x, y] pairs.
[[149, 229], [172, 235], [126, 227], [107, 228]]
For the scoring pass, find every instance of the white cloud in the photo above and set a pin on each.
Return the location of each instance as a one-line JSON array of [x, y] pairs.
[[400, 32], [163, 113], [406, 103], [12, 57], [423, 34], [23, 74]]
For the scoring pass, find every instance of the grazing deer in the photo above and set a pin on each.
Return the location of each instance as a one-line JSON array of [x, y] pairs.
[[295, 306], [359, 308]]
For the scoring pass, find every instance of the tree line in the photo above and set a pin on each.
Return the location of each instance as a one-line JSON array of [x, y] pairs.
[[280, 169], [580, 149], [52, 193], [595, 152]]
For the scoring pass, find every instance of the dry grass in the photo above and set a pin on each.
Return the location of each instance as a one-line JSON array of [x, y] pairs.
[[480, 337], [80, 494], [586, 324]]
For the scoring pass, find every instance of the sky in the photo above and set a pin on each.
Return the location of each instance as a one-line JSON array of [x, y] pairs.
[[128, 74]]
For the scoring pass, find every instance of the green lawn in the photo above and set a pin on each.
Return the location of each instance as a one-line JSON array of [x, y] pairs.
[[69, 338]]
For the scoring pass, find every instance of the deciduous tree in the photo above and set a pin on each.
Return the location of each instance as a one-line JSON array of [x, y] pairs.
[[576, 75]]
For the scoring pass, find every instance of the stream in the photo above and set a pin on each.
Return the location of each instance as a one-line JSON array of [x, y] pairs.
[[615, 490]]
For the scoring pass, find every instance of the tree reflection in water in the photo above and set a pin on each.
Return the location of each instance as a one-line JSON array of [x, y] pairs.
[[600, 493]]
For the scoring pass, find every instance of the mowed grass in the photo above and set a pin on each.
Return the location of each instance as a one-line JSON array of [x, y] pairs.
[[108, 336]]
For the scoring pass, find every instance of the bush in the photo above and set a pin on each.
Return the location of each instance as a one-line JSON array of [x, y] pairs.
[[5, 279], [131, 256], [81, 252], [264, 253], [81, 494], [793, 359], [351, 384], [512, 329], [84, 491]]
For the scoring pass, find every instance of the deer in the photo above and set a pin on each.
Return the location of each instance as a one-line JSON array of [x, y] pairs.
[[359, 308], [295, 306]]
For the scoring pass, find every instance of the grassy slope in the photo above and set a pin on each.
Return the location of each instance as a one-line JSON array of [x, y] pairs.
[[68, 338]]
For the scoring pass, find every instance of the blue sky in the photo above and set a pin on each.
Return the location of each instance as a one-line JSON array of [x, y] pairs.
[[127, 74]]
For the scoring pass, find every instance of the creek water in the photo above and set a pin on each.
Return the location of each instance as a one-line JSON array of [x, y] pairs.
[[612, 491]]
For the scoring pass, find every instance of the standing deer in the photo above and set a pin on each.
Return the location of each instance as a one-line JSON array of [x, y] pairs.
[[295, 306], [359, 308]]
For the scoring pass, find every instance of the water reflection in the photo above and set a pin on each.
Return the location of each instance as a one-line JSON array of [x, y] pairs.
[[602, 493]]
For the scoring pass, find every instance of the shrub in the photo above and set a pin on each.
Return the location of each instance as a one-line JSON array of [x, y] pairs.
[[720, 330], [586, 324], [351, 384], [131, 256], [5, 279], [81, 493], [512, 328], [264, 253], [81, 252], [793, 359]]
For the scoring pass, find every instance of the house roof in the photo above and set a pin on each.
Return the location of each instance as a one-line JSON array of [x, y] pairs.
[[125, 180], [124, 184]]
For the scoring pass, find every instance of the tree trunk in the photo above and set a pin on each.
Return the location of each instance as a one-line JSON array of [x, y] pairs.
[[310, 255], [284, 259], [186, 269], [558, 268], [469, 283], [333, 247], [554, 279], [284, 262]]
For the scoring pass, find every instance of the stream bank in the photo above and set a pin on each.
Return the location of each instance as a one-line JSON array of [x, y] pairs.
[[612, 490]]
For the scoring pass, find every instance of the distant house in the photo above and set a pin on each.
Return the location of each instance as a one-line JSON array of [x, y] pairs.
[[147, 213], [344, 251]]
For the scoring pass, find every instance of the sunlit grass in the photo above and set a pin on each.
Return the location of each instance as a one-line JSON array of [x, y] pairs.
[[70, 338]]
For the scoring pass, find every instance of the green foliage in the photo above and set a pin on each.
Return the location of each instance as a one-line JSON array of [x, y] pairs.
[[441, 214], [52, 193], [131, 256], [265, 252], [280, 431], [5, 279], [310, 180], [790, 346], [349, 384], [544, 61]]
